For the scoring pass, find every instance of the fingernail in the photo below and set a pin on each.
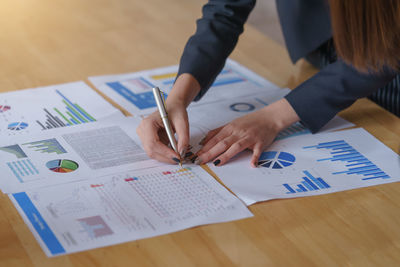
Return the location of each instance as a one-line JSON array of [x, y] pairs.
[[202, 141], [188, 154], [197, 161], [183, 152], [217, 162], [176, 160]]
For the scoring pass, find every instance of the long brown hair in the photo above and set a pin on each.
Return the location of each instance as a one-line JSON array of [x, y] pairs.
[[367, 33]]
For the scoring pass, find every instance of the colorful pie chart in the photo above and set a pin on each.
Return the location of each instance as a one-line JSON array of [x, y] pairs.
[[4, 108], [62, 165]]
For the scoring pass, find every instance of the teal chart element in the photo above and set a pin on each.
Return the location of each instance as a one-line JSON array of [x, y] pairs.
[[17, 126], [22, 169], [14, 149], [47, 146], [276, 159]]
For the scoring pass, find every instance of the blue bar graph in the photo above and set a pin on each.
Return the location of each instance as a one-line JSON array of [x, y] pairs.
[[141, 100], [293, 130], [357, 163], [309, 183]]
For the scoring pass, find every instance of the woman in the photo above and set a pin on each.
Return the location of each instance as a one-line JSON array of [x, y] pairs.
[[365, 38]]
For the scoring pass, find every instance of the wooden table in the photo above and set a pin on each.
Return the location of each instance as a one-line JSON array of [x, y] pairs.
[[55, 41]]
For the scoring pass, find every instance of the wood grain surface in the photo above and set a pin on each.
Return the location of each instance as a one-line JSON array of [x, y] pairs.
[[45, 42]]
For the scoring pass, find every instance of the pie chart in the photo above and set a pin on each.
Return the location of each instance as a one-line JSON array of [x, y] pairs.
[[4, 108], [276, 159], [62, 165], [16, 126]]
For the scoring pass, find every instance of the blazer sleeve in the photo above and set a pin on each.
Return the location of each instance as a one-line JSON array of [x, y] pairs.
[[334, 88], [216, 36]]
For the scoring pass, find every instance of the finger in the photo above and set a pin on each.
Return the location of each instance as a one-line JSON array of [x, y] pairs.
[[182, 130], [149, 133], [210, 135], [234, 149], [221, 135], [257, 150], [217, 150], [163, 158], [159, 151]]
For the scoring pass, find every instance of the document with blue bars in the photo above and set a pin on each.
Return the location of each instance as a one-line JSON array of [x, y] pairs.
[[312, 165]]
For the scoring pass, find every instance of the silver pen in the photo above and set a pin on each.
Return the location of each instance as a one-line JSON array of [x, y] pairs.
[[164, 117]]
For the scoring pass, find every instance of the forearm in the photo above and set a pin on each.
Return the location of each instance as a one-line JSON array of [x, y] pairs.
[[184, 91], [279, 115], [216, 35], [333, 89]]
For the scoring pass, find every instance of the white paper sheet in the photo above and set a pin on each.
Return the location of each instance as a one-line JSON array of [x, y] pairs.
[[125, 206], [311, 165], [133, 91], [69, 154], [209, 116], [29, 111]]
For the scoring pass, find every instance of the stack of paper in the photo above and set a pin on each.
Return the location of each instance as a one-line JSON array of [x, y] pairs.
[[74, 167]]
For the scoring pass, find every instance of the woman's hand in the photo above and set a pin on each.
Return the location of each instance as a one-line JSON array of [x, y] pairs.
[[254, 131], [152, 132]]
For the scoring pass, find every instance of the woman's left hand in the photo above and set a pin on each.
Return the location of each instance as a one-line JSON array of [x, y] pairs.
[[254, 131]]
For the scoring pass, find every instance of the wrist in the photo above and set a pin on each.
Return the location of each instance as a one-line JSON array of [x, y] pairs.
[[280, 115], [185, 89]]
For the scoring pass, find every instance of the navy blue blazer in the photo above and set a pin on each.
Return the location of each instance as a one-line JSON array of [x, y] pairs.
[[306, 25]]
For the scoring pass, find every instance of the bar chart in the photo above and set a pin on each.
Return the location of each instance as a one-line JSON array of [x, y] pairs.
[[293, 130], [355, 162], [23, 169], [72, 115], [95, 226], [46, 146], [309, 183], [14, 149], [142, 100]]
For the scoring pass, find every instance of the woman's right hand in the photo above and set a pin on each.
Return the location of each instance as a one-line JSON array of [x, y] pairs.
[[152, 132]]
